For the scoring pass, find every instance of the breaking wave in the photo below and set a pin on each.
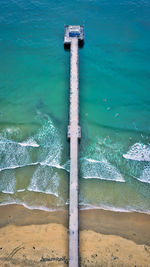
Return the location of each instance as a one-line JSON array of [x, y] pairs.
[[8, 182], [13, 155], [145, 176], [44, 149], [45, 180], [139, 165], [30, 143], [100, 169], [139, 152]]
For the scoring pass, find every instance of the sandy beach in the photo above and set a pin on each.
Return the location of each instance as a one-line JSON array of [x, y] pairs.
[[40, 238]]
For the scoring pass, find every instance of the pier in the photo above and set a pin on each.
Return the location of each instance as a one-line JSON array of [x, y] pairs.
[[74, 37]]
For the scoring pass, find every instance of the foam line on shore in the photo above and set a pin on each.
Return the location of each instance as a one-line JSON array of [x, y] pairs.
[[42, 208], [82, 207], [114, 209]]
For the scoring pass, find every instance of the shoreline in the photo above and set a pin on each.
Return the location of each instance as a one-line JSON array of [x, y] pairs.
[[40, 238], [134, 226]]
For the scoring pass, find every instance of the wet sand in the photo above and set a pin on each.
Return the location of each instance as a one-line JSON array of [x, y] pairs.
[[40, 238]]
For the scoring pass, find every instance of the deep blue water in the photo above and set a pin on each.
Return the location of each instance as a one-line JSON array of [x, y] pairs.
[[114, 103]]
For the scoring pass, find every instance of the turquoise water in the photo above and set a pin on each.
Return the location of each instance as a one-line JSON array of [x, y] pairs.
[[114, 103]]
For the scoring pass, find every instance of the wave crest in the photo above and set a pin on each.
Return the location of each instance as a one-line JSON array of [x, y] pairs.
[[139, 152], [45, 180], [100, 169]]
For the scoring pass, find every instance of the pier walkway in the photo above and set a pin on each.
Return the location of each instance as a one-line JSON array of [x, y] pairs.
[[74, 134], [73, 38]]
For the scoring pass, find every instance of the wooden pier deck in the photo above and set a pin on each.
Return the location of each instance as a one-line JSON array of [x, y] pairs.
[[74, 134]]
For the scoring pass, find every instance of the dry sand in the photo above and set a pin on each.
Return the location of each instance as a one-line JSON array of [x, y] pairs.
[[38, 238]]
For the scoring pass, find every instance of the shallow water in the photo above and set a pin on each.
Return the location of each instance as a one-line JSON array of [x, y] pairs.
[[114, 103]]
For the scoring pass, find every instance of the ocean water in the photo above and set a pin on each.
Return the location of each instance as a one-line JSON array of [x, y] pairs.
[[114, 159]]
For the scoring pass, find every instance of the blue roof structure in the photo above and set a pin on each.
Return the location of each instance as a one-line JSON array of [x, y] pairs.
[[74, 34]]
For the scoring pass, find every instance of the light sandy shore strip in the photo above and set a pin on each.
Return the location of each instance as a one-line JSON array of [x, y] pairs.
[[40, 238]]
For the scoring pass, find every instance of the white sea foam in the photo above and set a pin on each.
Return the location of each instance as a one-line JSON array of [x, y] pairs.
[[45, 180], [29, 143], [7, 192], [20, 190], [93, 161], [48, 192], [112, 208], [12, 155], [43, 208], [16, 155], [34, 164], [7, 182], [139, 152], [18, 166], [100, 169], [66, 166], [5, 203], [82, 206], [50, 150], [52, 165], [145, 176]]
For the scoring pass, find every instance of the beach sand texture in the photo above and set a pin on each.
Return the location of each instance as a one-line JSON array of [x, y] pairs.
[[26, 243]]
